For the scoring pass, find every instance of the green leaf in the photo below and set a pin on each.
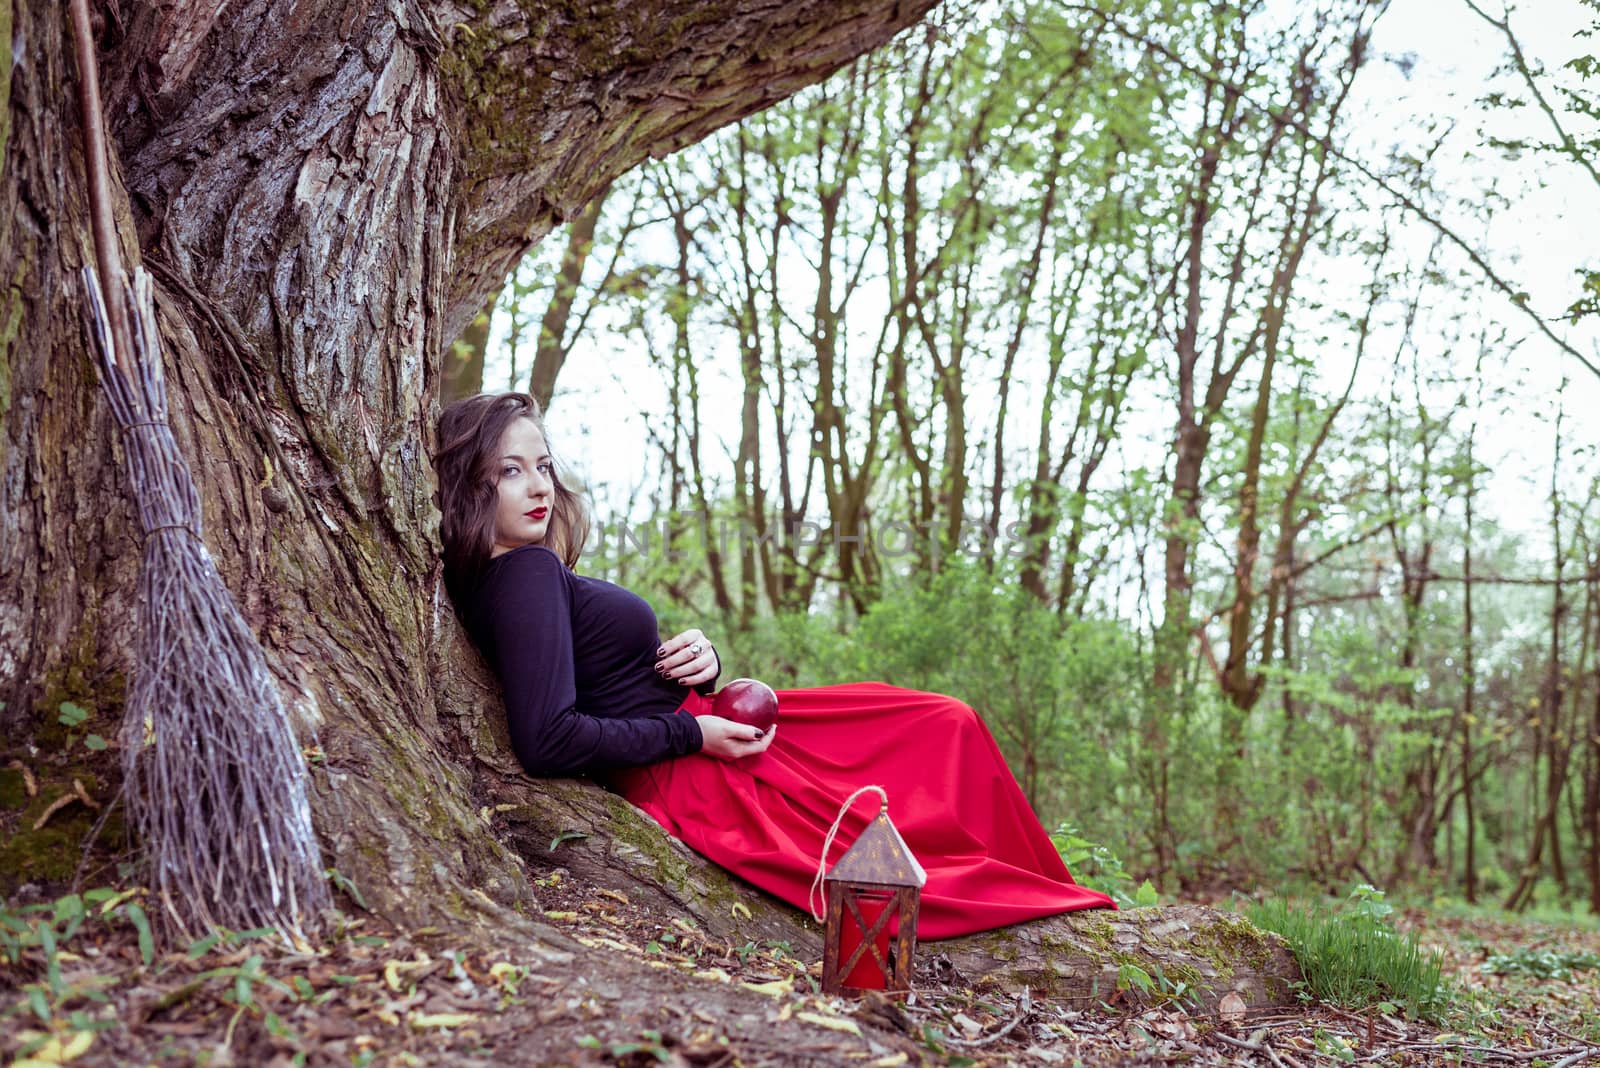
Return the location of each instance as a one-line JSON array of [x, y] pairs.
[[141, 923], [82, 1021], [566, 836], [71, 714], [1131, 975], [1145, 896], [344, 885], [38, 1003], [95, 742], [69, 907], [204, 945], [47, 942]]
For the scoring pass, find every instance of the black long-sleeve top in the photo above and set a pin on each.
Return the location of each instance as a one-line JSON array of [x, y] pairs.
[[576, 659]]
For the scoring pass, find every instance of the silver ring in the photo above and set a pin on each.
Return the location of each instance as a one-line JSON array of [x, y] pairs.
[[697, 648]]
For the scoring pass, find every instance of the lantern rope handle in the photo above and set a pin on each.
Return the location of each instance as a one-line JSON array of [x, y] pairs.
[[827, 844]]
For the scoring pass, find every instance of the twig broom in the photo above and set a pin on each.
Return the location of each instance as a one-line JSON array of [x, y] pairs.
[[214, 783]]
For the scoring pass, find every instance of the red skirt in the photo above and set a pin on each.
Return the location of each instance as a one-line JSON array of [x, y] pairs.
[[951, 796]]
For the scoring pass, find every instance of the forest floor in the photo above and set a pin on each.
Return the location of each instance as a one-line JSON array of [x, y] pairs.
[[634, 990]]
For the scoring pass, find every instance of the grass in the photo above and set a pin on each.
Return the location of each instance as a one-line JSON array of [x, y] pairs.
[[1352, 956]]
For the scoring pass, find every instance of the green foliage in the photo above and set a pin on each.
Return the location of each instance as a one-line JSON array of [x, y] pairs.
[[1097, 867], [650, 1045], [50, 933], [72, 715], [1353, 956], [1542, 963], [1153, 985]]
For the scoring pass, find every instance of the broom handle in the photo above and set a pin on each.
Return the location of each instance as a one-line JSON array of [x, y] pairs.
[[107, 251]]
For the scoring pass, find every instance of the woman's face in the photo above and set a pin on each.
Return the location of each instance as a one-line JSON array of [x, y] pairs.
[[526, 488]]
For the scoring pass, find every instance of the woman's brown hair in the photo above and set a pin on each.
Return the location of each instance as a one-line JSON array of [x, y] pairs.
[[467, 464]]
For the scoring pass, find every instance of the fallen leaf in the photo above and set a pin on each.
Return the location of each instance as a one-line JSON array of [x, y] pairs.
[[55, 1049], [1172, 1026], [890, 1061], [1231, 1008], [832, 1023], [777, 988], [421, 1020]]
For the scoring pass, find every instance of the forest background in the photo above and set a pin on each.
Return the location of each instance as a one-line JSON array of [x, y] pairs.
[[1201, 392]]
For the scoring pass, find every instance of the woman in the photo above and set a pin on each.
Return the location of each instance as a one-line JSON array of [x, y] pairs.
[[591, 688]]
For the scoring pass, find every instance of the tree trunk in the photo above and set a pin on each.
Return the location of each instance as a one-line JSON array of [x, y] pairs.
[[326, 195], [554, 342], [464, 357], [1075, 956]]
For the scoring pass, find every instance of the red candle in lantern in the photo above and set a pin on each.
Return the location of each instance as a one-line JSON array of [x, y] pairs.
[[867, 973], [877, 878]]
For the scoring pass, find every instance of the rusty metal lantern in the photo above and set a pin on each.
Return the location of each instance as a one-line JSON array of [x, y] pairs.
[[877, 882]]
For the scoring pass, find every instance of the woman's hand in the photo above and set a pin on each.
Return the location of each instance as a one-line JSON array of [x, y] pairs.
[[729, 740], [687, 658]]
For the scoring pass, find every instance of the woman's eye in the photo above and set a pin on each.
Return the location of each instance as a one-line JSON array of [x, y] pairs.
[[547, 468], [509, 470]]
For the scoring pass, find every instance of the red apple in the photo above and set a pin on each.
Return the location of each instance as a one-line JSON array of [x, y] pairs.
[[748, 701]]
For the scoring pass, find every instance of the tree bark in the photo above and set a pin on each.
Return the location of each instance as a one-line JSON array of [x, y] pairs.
[[326, 195]]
